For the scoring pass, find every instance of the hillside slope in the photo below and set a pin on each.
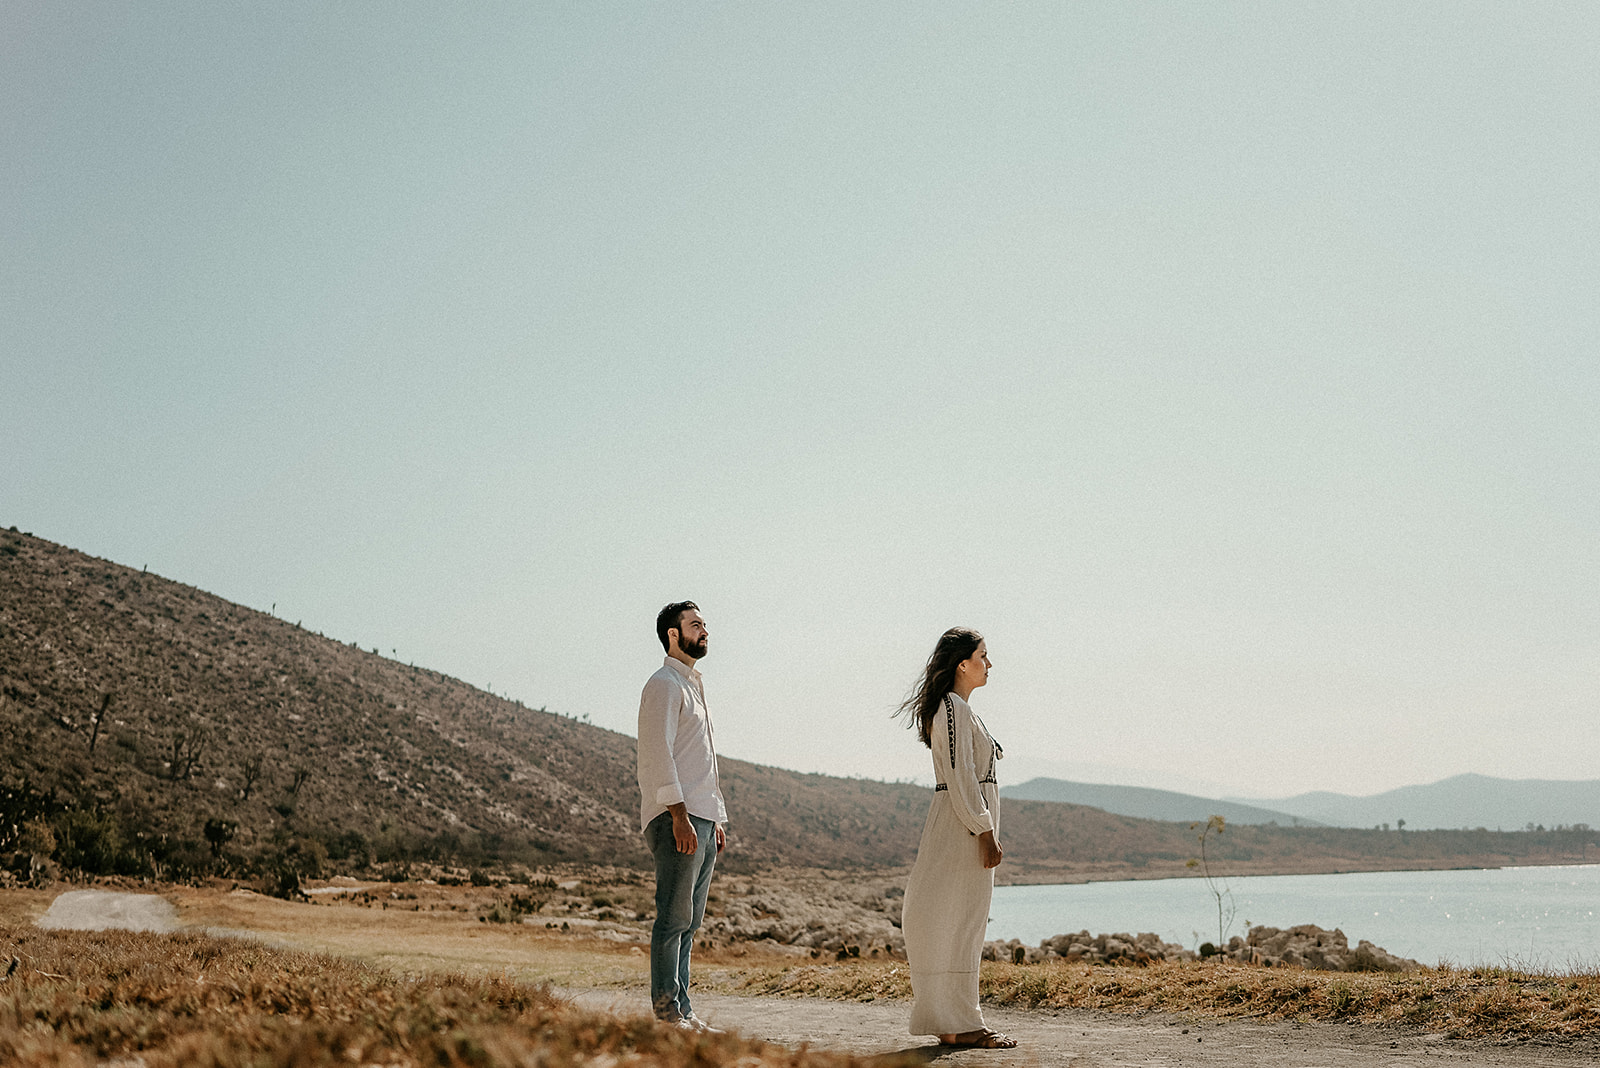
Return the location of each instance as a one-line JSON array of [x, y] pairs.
[[362, 752], [283, 740]]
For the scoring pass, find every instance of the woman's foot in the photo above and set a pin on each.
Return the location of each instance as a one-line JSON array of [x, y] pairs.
[[986, 1038]]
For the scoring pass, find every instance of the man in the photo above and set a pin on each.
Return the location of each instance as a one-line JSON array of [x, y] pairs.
[[681, 806]]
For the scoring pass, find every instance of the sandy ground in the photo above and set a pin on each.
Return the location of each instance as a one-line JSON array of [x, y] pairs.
[[1075, 1039], [102, 910]]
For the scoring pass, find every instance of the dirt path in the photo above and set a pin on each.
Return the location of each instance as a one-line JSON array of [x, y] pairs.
[[102, 910], [1098, 1040]]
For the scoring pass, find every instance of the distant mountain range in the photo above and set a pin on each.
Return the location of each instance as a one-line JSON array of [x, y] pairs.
[[1462, 801], [1145, 803]]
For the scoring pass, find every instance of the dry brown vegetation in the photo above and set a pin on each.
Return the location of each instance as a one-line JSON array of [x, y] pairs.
[[1475, 1003], [438, 931], [81, 999], [99, 989]]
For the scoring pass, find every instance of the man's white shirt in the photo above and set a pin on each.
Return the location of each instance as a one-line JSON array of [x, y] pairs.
[[677, 757]]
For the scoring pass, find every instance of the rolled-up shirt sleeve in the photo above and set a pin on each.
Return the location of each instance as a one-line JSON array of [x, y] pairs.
[[952, 753], [659, 706]]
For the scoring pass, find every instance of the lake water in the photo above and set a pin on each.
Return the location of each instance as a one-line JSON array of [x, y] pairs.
[[1541, 917]]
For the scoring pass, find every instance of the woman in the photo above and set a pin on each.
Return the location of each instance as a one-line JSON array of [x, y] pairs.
[[946, 907]]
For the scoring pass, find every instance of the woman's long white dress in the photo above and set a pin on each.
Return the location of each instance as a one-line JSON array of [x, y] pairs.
[[946, 910]]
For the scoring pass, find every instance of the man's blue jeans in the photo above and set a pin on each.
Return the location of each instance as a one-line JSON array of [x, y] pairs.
[[682, 881]]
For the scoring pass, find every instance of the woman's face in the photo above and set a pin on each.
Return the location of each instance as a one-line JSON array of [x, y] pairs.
[[975, 669]]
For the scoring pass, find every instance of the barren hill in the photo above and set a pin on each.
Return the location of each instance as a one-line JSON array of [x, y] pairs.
[[154, 728], [217, 712]]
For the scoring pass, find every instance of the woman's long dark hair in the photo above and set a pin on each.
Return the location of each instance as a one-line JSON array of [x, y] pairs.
[[938, 678]]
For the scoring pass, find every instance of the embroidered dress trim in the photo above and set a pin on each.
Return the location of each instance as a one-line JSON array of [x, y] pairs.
[[950, 722]]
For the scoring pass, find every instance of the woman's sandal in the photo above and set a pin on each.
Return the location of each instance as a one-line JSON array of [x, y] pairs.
[[988, 1038]]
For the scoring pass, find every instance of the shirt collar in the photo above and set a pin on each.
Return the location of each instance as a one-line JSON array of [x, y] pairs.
[[683, 669]]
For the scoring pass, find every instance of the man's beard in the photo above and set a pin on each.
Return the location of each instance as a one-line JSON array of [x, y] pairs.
[[695, 651]]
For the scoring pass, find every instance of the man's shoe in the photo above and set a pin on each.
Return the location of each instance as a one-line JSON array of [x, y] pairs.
[[700, 1025]]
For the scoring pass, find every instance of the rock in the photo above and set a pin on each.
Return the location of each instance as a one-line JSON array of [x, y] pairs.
[[819, 916], [1305, 946], [1310, 946], [809, 912], [1119, 948], [1371, 958]]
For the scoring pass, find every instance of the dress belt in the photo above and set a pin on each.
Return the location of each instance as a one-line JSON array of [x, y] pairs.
[[946, 786]]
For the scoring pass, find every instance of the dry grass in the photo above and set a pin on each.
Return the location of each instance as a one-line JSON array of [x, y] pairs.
[[168, 1000], [438, 933], [1476, 1002], [19, 907], [438, 930]]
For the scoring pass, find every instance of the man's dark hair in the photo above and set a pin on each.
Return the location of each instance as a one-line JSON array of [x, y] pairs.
[[669, 618]]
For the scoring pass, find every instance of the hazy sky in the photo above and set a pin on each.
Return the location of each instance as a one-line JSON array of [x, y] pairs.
[[1233, 367]]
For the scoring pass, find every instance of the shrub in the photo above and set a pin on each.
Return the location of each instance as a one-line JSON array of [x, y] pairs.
[[349, 846], [284, 869], [37, 838], [1343, 999], [512, 911], [89, 842], [219, 833]]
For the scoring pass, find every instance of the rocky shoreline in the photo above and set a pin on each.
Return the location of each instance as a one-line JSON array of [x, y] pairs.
[[823, 915], [812, 915], [1305, 946]]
